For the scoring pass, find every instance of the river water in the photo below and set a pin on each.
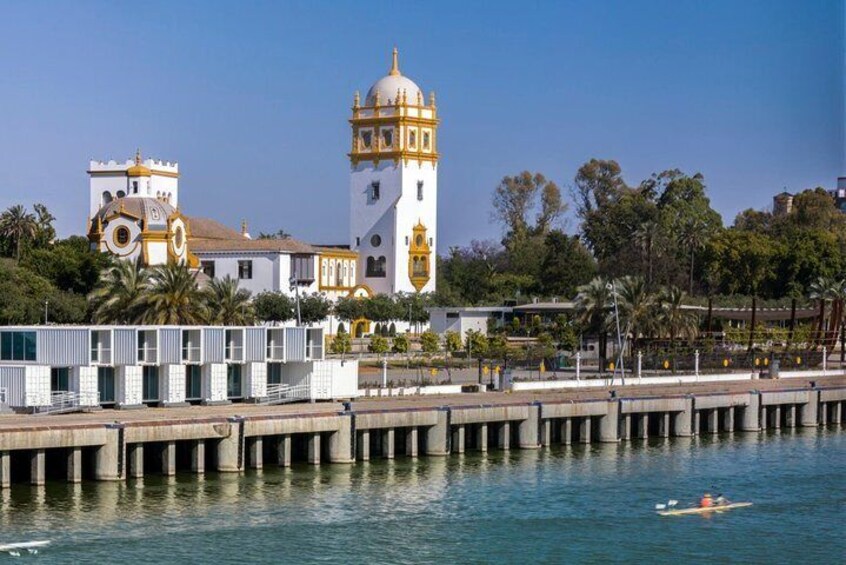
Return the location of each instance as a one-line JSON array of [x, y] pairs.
[[575, 504]]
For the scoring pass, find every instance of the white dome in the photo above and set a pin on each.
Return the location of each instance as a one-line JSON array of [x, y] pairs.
[[388, 86]]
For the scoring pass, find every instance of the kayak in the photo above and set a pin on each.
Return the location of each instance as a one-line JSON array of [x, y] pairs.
[[16, 548], [706, 510]]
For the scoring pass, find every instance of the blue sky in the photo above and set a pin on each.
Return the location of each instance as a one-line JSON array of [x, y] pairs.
[[252, 99]]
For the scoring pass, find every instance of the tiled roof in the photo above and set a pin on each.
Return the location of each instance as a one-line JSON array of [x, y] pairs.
[[211, 236]]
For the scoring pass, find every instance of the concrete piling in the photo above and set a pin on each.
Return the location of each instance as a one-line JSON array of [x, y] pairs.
[[411, 442], [75, 465], [643, 426], [458, 438], [609, 425], [527, 430], [664, 425], [314, 449], [824, 413], [436, 436], [229, 452], [388, 443], [256, 453], [363, 446], [341, 444], [682, 420], [5, 469], [169, 459], [198, 456], [567, 431], [482, 438], [546, 433], [135, 460], [713, 421], [751, 414], [808, 413], [777, 417], [283, 451], [504, 436], [37, 468], [584, 430], [108, 458], [835, 412], [790, 417], [626, 431]]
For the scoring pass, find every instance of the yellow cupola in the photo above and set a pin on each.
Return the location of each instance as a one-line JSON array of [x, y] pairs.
[[138, 170]]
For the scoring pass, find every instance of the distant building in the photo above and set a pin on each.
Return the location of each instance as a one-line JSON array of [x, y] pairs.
[[782, 204]]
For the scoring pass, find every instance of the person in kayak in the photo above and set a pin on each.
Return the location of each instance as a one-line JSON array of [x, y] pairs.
[[720, 500], [707, 501]]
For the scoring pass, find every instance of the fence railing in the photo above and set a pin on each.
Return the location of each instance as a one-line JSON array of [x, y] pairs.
[[282, 393], [62, 401]]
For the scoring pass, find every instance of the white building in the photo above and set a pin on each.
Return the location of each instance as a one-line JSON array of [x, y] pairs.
[[133, 366], [394, 185]]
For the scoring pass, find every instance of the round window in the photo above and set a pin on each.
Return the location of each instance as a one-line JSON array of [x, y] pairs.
[[375, 241], [122, 236], [177, 238]]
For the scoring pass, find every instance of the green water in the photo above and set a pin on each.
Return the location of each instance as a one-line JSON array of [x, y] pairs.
[[581, 504]]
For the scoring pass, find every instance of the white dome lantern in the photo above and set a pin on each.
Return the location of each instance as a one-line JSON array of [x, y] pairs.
[[388, 86]]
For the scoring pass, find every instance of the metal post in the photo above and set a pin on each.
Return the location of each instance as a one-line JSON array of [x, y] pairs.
[[825, 359], [696, 364], [639, 365], [613, 290], [578, 364], [385, 372], [46, 303], [296, 288]]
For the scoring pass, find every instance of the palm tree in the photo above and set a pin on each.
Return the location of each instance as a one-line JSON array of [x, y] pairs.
[[226, 304], [822, 290], [594, 304], [17, 226], [635, 305], [119, 295], [646, 236], [693, 236], [673, 319], [173, 297]]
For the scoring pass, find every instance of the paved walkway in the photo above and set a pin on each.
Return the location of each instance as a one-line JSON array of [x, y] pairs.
[[217, 413]]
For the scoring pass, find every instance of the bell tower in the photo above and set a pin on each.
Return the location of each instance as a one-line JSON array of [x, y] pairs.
[[394, 185]]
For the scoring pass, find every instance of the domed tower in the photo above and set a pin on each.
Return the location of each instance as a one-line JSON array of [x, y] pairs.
[[394, 185]]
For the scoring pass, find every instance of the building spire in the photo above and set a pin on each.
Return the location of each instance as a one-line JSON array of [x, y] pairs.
[[395, 72], [138, 156]]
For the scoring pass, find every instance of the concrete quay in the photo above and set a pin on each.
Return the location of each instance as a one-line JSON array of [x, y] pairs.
[[114, 446]]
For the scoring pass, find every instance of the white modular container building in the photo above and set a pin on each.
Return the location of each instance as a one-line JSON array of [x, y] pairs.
[[128, 366]]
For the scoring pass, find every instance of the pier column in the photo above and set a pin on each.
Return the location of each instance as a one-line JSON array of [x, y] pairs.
[[584, 430], [458, 439], [75, 465], [108, 459], [567, 431], [341, 442], [504, 436], [256, 453], [230, 450], [388, 443], [411, 442], [169, 459], [436, 436], [482, 438], [835, 412], [135, 460], [198, 456], [713, 421], [751, 413], [664, 425], [643, 425], [697, 422], [314, 449], [824, 413], [527, 430], [37, 468], [808, 413], [546, 433], [5, 470], [777, 417], [728, 419], [363, 445], [681, 420], [626, 427], [790, 417], [283, 450], [609, 425]]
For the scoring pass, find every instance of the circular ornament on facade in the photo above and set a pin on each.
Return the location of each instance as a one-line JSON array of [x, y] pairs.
[[121, 236], [375, 240]]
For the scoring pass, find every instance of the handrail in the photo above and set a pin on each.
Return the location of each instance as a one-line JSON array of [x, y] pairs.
[[64, 401], [281, 393]]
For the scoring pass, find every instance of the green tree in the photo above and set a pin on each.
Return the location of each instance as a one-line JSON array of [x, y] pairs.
[[515, 198], [273, 307], [45, 234], [742, 261], [566, 265], [24, 295], [593, 305], [452, 342], [400, 344], [378, 345], [172, 296], [69, 264], [18, 227], [430, 342], [349, 308], [674, 320], [341, 343], [381, 308], [228, 305], [635, 304], [314, 308], [476, 344], [118, 297]]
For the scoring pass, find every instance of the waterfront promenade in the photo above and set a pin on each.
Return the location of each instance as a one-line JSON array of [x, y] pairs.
[[113, 445]]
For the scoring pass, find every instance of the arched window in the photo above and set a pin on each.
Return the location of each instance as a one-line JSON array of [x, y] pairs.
[[120, 194], [107, 197], [376, 267], [339, 279]]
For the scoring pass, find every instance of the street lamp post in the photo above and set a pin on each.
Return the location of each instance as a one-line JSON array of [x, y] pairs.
[[611, 287], [296, 288]]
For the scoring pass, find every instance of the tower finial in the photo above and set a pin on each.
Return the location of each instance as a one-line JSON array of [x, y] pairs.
[[395, 72], [244, 231], [138, 156]]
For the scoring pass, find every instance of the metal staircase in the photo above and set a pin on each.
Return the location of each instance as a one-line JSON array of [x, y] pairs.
[[283, 394]]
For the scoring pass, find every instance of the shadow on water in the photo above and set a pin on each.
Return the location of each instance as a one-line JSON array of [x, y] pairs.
[[580, 502]]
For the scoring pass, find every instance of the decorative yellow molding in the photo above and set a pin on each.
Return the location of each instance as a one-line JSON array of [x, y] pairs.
[[419, 256]]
